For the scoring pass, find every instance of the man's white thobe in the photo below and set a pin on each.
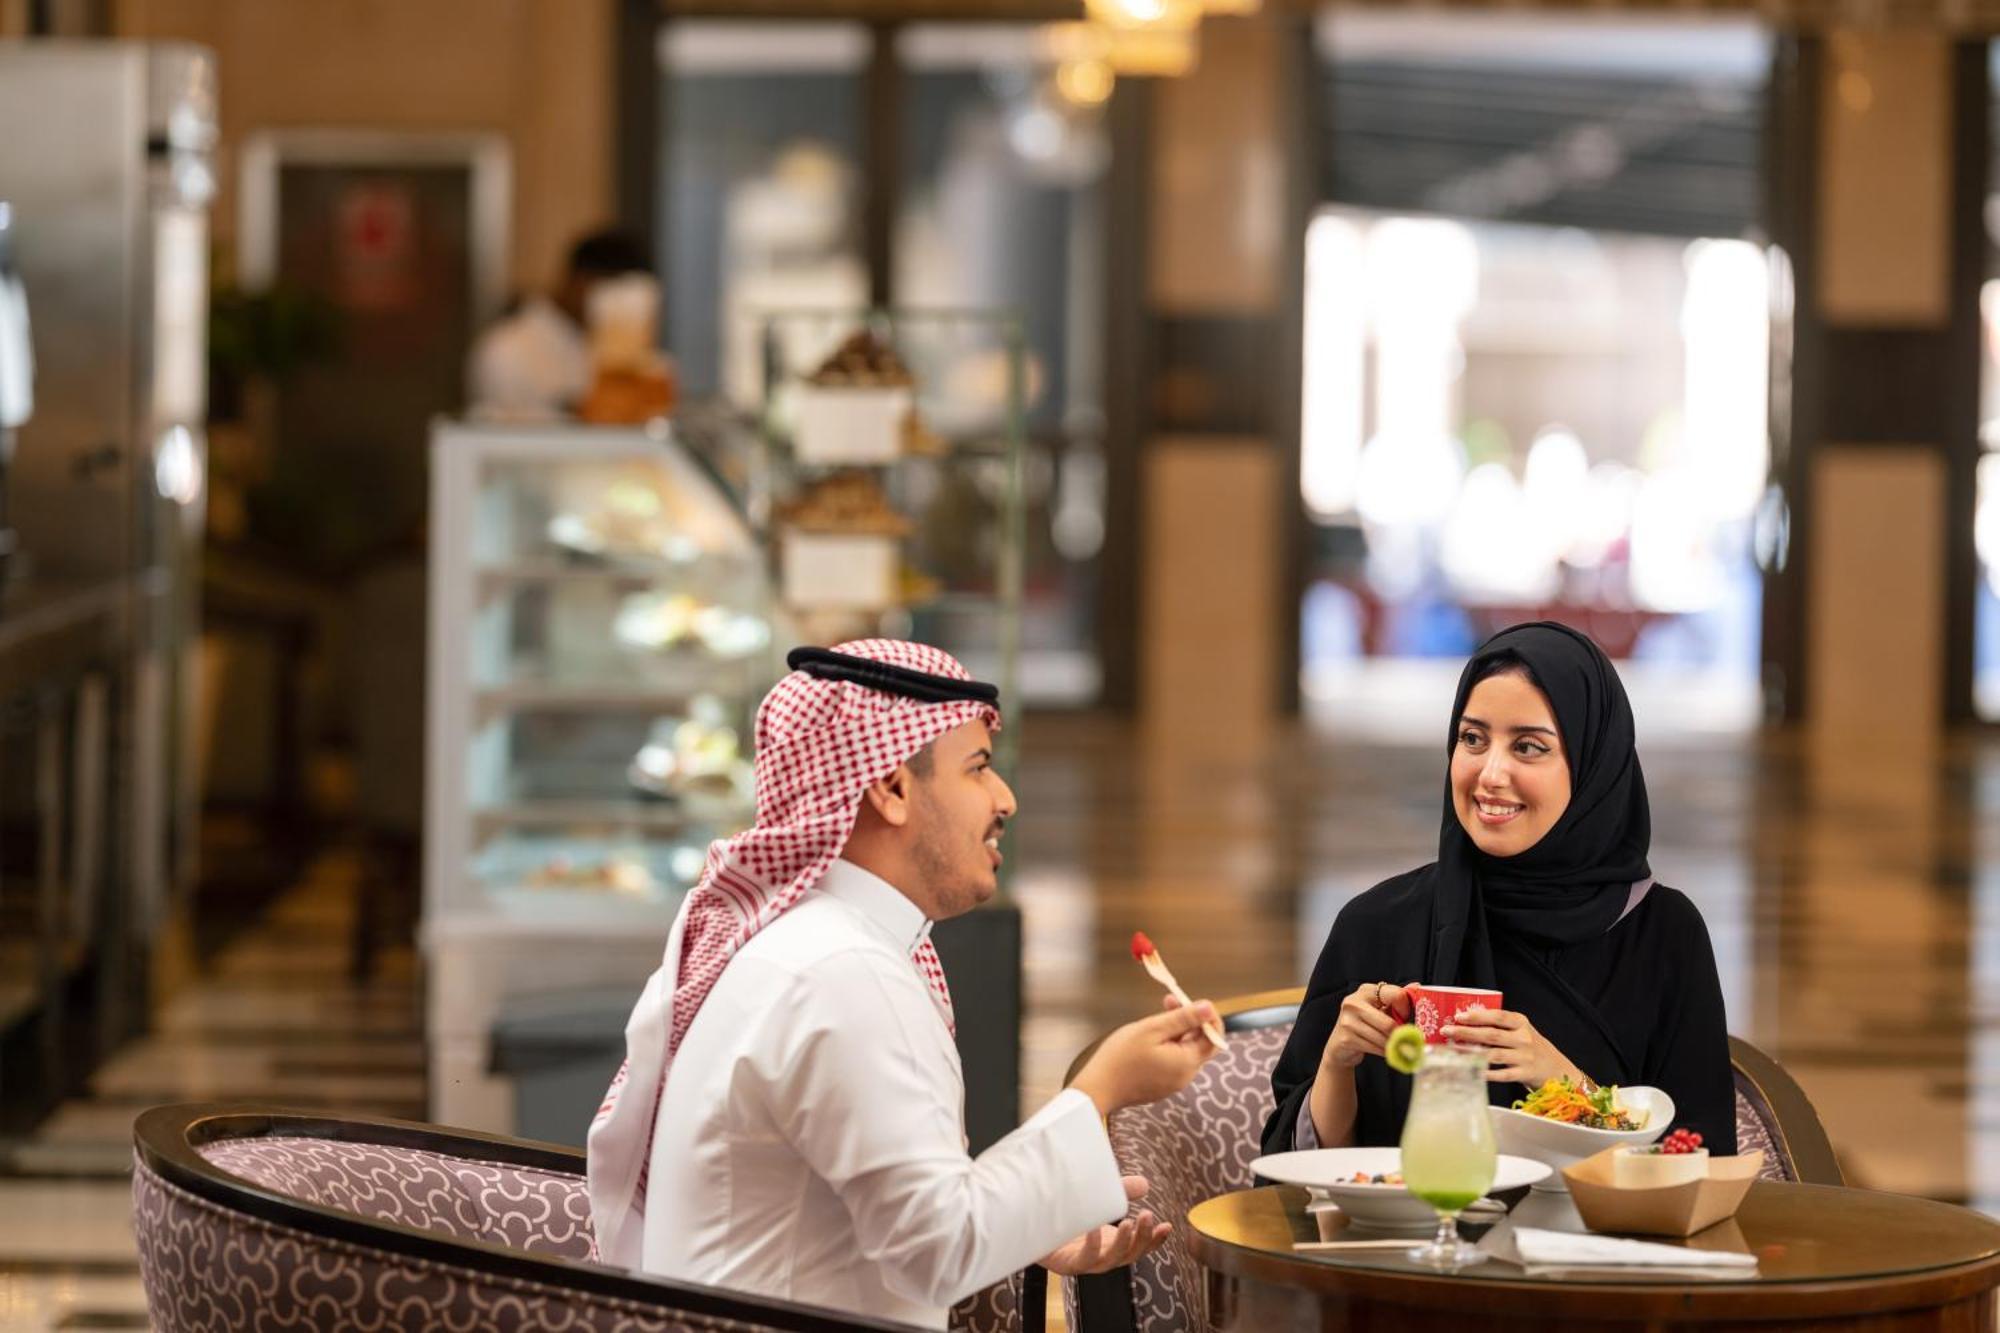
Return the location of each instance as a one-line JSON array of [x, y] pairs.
[[810, 1141]]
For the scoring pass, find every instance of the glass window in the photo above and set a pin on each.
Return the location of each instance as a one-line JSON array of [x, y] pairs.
[[1537, 349]]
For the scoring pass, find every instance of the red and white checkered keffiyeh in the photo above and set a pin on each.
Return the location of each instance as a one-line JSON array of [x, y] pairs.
[[820, 744]]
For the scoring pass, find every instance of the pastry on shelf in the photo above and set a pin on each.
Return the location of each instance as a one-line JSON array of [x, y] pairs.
[[617, 872], [862, 361], [659, 621], [633, 380], [627, 517], [848, 504], [698, 757], [628, 397]]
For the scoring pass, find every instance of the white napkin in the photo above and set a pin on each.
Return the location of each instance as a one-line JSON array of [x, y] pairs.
[[1568, 1249]]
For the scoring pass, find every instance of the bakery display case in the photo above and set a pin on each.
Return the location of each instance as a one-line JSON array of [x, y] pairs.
[[602, 629], [891, 485], [607, 611]]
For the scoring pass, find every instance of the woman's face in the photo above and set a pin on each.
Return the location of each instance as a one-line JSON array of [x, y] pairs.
[[1509, 775]]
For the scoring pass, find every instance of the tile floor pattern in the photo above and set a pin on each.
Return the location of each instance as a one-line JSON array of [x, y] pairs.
[[1855, 911]]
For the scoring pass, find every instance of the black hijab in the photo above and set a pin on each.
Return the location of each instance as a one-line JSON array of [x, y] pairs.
[[1573, 884]]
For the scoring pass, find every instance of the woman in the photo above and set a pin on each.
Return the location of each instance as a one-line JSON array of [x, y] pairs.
[[1541, 891]]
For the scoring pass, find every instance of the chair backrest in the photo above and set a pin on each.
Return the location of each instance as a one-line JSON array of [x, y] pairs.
[[1190, 1147], [524, 1208], [252, 1218], [1774, 1114]]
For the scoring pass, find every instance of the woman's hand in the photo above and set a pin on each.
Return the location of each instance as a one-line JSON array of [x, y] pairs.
[[1367, 1017], [1517, 1053]]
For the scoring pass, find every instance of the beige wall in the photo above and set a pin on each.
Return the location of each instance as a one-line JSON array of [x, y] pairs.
[[1212, 571], [538, 71]]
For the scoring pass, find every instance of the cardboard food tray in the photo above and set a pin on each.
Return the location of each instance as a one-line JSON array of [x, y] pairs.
[[1660, 1210]]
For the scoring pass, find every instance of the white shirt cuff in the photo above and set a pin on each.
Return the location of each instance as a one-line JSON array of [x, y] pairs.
[[1080, 1142]]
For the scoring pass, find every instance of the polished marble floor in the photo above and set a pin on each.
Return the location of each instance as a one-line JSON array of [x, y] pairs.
[[275, 1018], [1855, 910]]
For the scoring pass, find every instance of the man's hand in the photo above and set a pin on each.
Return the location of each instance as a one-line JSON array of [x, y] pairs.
[[1144, 1061], [1104, 1248]]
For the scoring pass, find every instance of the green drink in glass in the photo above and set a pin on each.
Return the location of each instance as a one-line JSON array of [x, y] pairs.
[[1448, 1151]]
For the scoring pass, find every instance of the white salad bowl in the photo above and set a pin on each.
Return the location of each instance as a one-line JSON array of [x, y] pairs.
[[1561, 1145]]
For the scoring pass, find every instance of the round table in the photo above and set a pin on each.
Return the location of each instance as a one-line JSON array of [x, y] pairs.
[[1827, 1258]]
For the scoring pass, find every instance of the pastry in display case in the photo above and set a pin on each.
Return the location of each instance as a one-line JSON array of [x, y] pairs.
[[632, 380], [698, 760], [659, 621], [603, 626]]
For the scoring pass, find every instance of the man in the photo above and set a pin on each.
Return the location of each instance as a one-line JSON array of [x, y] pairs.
[[535, 363], [790, 1117]]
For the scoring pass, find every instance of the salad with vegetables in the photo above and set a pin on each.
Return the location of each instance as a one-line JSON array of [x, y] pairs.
[[1561, 1099]]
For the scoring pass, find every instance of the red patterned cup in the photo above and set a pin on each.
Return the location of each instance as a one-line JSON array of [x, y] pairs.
[[1433, 1007]]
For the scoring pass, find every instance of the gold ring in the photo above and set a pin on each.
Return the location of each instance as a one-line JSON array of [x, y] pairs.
[[1378, 996]]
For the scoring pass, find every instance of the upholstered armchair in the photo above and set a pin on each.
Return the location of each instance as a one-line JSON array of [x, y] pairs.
[[1773, 1114], [251, 1218], [1190, 1147]]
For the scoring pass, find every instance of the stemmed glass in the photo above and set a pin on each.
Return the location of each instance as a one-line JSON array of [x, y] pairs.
[[1448, 1151]]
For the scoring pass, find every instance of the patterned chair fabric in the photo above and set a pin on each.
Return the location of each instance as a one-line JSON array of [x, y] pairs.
[[1012, 1305], [209, 1269], [1191, 1147], [221, 1260], [1754, 1133], [541, 1212]]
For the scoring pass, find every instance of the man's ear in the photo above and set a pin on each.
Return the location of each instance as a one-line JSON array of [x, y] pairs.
[[890, 798]]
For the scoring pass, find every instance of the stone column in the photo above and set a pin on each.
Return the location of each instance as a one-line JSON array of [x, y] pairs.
[[1216, 291], [1875, 597]]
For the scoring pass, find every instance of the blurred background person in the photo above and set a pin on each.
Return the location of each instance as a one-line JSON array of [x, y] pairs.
[[535, 363]]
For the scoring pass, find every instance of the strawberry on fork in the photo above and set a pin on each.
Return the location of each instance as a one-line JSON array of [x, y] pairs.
[[1156, 967]]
